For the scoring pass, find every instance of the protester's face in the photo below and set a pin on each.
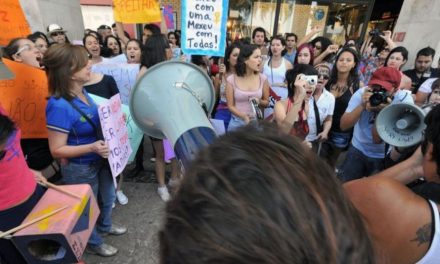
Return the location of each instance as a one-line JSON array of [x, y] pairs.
[[253, 63], [83, 75], [276, 47], [304, 56], [396, 60], [58, 37], [423, 63], [291, 42], [435, 96], [323, 77], [113, 45], [41, 45], [92, 46], [147, 34], [384, 53], [133, 52], [345, 62], [172, 39], [233, 57], [259, 38], [106, 32], [28, 53], [317, 49]]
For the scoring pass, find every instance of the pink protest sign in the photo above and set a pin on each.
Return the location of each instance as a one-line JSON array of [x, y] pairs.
[[115, 133]]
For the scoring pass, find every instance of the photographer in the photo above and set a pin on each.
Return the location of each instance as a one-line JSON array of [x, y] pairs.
[[366, 153]]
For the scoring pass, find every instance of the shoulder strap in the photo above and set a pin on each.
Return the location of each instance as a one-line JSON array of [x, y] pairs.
[[97, 130], [317, 118]]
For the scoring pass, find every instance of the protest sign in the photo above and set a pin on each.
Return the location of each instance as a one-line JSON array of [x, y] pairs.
[[13, 23], [136, 11], [24, 99], [169, 17], [124, 75], [134, 133], [204, 27], [115, 133]]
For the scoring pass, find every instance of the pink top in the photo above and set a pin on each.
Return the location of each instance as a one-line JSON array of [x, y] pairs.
[[17, 181], [241, 97]]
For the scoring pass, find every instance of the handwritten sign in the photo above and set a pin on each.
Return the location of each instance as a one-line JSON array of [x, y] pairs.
[[24, 98], [124, 75], [115, 133], [13, 23], [169, 17], [204, 27], [134, 133], [136, 11]]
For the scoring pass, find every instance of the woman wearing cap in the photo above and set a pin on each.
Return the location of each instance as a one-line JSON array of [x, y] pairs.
[[57, 34]]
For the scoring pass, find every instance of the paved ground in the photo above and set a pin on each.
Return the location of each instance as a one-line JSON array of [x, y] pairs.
[[143, 217]]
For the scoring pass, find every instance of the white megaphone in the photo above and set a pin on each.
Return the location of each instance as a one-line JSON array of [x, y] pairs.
[[172, 100], [401, 124]]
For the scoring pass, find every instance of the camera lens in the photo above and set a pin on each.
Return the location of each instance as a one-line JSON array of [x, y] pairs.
[[377, 98]]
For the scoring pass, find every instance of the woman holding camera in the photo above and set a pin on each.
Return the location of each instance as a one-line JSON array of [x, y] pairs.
[[247, 84], [291, 114]]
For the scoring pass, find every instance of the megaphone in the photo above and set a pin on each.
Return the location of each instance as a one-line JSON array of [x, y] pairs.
[[401, 124], [172, 100]]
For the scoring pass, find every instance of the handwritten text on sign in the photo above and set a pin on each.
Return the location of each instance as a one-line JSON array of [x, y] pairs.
[[13, 23], [124, 75], [204, 27], [136, 11], [24, 98], [115, 134]]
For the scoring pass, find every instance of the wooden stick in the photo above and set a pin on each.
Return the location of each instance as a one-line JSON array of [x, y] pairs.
[[60, 189], [38, 219]]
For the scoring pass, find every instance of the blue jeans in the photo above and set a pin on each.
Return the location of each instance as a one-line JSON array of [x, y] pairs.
[[356, 165], [99, 177]]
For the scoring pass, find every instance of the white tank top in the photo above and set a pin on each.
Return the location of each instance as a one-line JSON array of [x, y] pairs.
[[276, 75], [433, 254]]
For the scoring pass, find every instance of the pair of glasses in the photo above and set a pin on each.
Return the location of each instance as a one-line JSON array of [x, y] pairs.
[[2, 154], [318, 47], [323, 76], [57, 34], [24, 48]]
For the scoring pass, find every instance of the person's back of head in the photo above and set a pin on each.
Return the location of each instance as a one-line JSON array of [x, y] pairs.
[[255, 196], [432, 135]]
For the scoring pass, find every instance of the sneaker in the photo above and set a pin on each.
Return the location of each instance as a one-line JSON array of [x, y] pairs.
[[122, 199], [163, 193], [153, 159], [103, 250], [173, 183], [115, 230]]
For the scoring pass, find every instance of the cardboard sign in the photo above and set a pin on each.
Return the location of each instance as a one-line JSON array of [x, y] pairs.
[[61, 237], [136, 11], [115, 134], [124, 75], [13, 23], [24, 99], [204, 27], [168, 15]]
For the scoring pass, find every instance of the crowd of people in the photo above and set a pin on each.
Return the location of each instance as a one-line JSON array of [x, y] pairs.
[[270, 199]]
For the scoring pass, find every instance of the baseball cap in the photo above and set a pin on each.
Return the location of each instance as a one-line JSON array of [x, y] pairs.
[[387, 77], [54, 28], [5, 73]]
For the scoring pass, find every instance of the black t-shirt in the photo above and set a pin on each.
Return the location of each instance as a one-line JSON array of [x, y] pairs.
[[105, 88], [416, 81]]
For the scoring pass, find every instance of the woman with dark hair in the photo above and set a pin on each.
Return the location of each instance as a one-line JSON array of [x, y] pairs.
[[343, 83], [113, 43], [434, 96], [154, 52], [396, 59], [323, 50], [24, 51], [226, 70], [320, 44], [91, 43], [40, 40], [174, 39], [247, 85], [75, 135], [255, 196], [133, 51], [275, 70], [291, 114], [304, 55]]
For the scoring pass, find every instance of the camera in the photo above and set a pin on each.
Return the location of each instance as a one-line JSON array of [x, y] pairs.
[[311, 79], [256, 109], [378, 97], [375, 33]]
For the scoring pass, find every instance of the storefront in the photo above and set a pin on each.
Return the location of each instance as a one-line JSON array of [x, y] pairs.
[[340, 20]]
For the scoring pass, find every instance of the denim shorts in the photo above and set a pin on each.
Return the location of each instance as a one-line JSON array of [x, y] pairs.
[[339, 139]]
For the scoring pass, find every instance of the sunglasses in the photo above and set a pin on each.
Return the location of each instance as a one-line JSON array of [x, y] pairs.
[[323, 76], [25, 47], [57, 34]]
